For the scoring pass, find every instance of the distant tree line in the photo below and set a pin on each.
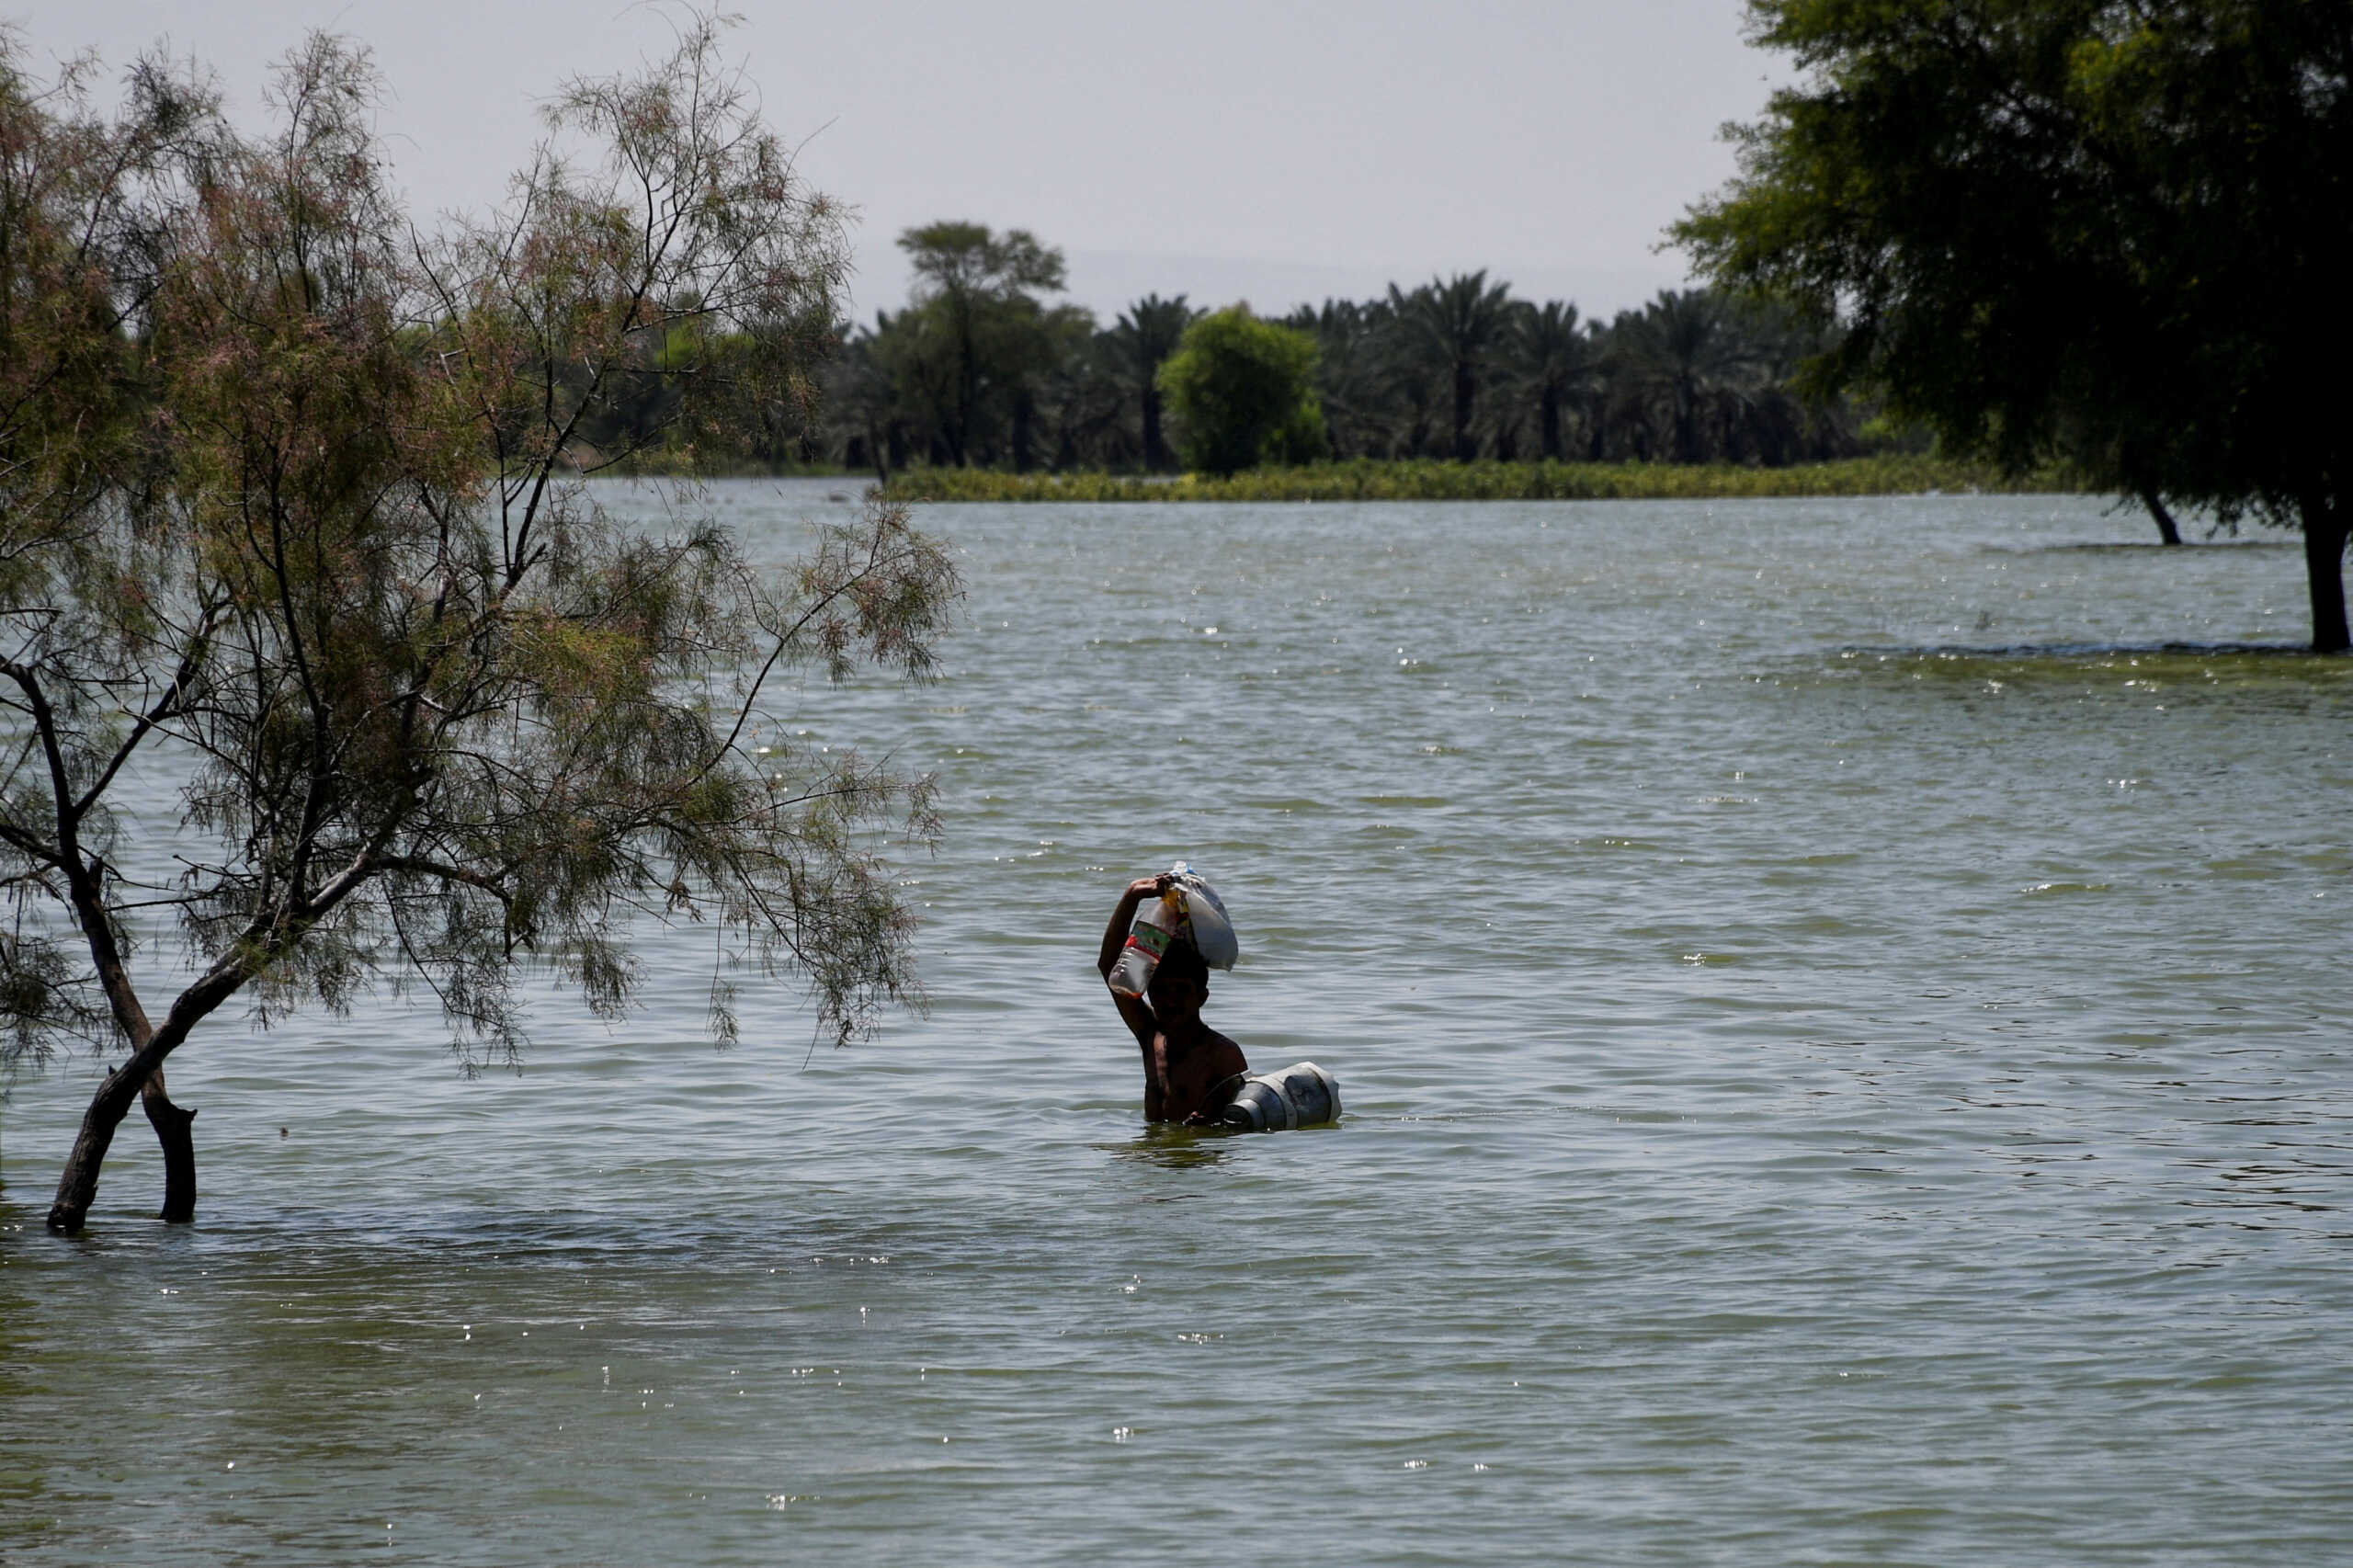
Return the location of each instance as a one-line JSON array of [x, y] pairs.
[[984, 368]]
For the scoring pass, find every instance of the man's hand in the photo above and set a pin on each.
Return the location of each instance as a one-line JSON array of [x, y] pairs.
[[1115, 934]]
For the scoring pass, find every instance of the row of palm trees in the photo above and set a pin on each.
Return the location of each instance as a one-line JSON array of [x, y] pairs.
[[1457, 369], [1460, 369]]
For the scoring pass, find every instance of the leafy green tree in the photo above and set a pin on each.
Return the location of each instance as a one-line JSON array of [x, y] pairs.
[[2108, 230], [1144, 336], [1246, 390], [439, 719], [982, 290]]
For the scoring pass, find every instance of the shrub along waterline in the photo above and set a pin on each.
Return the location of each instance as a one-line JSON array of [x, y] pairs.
[[1372, 480]]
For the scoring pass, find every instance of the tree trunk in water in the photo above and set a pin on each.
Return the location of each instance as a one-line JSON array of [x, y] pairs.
[[77, 1184], [1549, 424], [2324, 529], [171, 1124], [2156, 504]]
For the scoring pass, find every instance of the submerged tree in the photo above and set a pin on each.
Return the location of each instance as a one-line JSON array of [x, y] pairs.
[[78, 265], [437, 717], [2113, 232]]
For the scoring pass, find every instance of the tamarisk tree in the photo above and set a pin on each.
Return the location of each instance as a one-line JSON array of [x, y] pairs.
[[327, 568]]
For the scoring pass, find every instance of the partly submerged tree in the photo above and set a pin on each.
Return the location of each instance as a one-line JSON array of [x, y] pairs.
[[432, 715], [2112, 231], [78, 267], [1245, 390]]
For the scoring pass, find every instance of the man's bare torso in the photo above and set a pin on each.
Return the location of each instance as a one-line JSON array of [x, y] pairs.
[[1197, 1076]]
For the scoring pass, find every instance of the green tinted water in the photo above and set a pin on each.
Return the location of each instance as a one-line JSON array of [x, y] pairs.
[[1843, 1035]]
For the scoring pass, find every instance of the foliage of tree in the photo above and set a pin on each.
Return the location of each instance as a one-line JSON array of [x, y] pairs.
[[978, 330], [326, 561], [1246, 390], [1146, 333], [2111, 230], [1458, 327], [1690, 351], [1559, 363]]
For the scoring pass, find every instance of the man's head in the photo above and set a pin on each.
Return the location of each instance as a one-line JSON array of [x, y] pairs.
[[1179, 986]]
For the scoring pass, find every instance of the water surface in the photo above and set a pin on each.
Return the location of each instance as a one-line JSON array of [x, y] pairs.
[[1840, 1007]]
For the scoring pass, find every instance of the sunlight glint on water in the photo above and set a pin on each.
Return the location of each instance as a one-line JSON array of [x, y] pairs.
[[1842, 1030]]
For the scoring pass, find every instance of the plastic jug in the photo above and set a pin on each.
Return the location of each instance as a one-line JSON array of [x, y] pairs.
[[1302, 1095], [1156, 926]]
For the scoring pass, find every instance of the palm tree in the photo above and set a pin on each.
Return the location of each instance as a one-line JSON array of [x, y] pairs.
[[1690, 349], [1146, 335], [1552, 356], [1462, 323], [1353, 379]]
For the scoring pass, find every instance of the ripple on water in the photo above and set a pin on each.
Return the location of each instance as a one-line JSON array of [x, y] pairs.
[[1834, 1004]]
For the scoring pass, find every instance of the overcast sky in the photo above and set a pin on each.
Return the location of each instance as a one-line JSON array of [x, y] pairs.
[[1278, 151]]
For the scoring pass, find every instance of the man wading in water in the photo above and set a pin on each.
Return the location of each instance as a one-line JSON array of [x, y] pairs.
[[1190, 1071]]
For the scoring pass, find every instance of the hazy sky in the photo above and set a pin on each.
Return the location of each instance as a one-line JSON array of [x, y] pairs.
[[1272, 150]]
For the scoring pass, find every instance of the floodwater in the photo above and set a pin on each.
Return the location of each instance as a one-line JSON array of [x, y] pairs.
[[1841, 1010]]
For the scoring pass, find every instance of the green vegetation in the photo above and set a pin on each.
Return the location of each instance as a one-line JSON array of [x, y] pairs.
[[1244, 391], [2112, 232], [1146, 333], [977, 326], [291, 511], [1432, 480], [1456, 369]]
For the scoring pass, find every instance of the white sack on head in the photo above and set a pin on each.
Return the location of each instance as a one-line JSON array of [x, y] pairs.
[[1212, 929]]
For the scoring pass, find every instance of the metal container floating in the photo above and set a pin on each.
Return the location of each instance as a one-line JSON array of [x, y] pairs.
[[1302, 1095]]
